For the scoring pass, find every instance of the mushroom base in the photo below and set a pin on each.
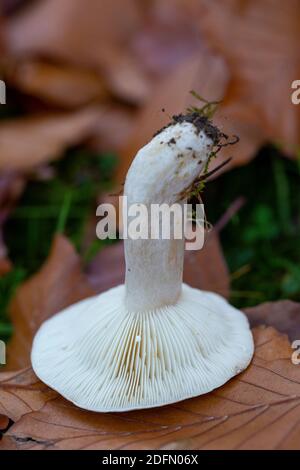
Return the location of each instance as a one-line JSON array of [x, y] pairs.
[[104, 358]]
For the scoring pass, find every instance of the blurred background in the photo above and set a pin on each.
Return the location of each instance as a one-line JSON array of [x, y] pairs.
[[89, 82]]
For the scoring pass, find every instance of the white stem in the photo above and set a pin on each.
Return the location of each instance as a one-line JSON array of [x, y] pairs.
[[161, 170]]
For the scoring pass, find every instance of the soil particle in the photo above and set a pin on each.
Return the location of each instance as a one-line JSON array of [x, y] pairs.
[[200, 123]]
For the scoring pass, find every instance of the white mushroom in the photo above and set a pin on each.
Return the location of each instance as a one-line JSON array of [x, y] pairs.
[[153, 340]]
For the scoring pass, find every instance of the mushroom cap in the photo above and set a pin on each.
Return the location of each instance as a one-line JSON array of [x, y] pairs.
[[103, 357]]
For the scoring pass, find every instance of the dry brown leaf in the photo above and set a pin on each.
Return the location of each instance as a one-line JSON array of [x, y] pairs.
[[4, 421], [126, 79], [169, 36], [206, 269], [107, 268], [260, 42], [283, 315], [30, 141], [68, 30], [258, 409], [59, 283], [112, 128], [243, 120], [22, 393], [96, 37], [5, 264], [2, 40], [58, 84], [98, 41]]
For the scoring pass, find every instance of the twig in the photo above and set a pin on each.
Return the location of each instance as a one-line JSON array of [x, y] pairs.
[[210, 173], [229, 213]]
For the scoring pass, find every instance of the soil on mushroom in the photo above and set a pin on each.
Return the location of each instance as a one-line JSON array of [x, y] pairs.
[[200, 122]]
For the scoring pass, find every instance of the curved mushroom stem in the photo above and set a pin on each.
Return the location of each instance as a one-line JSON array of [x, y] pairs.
[[160, 172]]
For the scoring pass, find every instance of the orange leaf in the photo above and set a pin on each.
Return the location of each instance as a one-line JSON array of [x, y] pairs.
[[95, 37], [29, 141], [69, 31], [58, 284], [283, 315], [22, 393], [260, 42], [4, 421], [57, 84], [206, 269], [258, 409]]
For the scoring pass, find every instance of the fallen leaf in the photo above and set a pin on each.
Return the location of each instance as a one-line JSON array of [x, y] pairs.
[[5, 263], [258, 409], [58, 84], [29, 141], [283, 315], [126, 79], [260, 42], [169, 36], [2, 39], [67, 30], [112, 128], [242, 120], [59, 283], [107, 269], [22, 393], [4, 421], [206, 268]]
